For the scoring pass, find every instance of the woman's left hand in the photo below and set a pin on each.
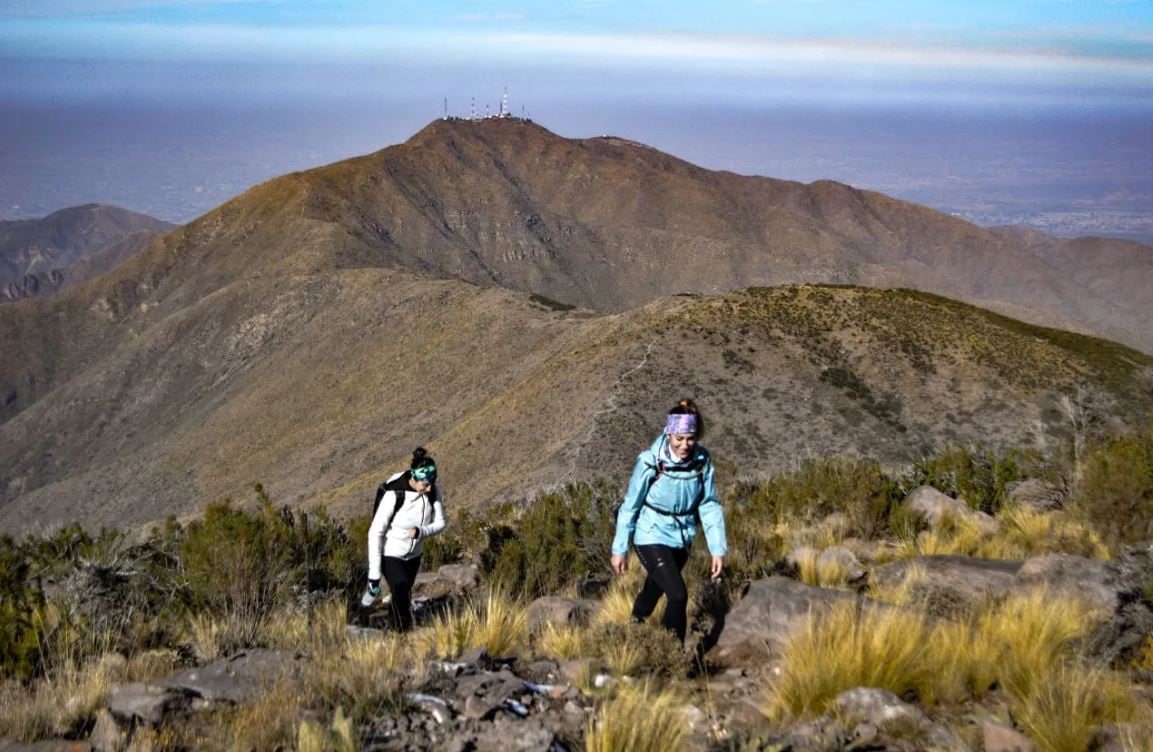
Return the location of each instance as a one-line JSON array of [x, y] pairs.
[[718, 565], [414, 533]]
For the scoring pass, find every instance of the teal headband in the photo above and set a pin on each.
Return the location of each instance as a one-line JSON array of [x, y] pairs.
[[426, 473]]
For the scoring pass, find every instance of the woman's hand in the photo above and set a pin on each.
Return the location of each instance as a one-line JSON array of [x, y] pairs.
[[620, 564], [414, 533], [718, 565]]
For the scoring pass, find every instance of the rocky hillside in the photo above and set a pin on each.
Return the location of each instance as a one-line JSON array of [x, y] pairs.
[[309, 333], [317, 385], [40, 256]]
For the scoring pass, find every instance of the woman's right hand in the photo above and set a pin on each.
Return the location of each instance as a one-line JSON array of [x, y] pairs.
[[620, 564]]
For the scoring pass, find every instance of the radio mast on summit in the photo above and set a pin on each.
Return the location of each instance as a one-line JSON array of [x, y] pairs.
[[504, 112]]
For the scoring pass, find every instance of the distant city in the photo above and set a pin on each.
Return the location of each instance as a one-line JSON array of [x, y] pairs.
[[1068, 175]]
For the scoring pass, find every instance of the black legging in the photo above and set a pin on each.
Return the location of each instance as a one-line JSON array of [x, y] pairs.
[[664, 565], [400, 575]]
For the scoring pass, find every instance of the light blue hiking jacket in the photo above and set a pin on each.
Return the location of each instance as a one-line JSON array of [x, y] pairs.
[[675, 490]]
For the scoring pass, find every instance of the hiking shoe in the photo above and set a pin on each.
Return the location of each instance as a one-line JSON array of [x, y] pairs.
[[371, 593]]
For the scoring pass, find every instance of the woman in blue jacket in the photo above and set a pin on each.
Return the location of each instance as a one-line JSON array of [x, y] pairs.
[[672, 486]]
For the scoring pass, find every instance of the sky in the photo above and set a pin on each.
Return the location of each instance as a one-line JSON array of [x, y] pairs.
[[1033, 110]]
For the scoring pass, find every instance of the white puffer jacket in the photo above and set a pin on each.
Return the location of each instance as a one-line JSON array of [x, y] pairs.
[[392, 525]]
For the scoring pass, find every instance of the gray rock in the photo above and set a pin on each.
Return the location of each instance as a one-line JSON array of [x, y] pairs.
[[952, 585], [843, 558], [1035, 494], [448, 580], [771, 611], [49, 745], [1000, 738], [145, 704], [364, 633], [513, 735], [108, 735], [236, 679], [1091, 580], [884, 710], [935, 506], [1118, 640], [559, 612]]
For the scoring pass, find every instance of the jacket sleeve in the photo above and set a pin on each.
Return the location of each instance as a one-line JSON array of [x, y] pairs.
[[631, 507], [376, 531], [438, 519], [713, 515]]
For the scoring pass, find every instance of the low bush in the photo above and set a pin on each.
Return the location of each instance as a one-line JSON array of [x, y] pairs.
[[977, 474], [1114, 488], [857, 489]]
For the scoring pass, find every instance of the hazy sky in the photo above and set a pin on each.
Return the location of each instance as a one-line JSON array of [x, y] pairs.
[[134, 91]]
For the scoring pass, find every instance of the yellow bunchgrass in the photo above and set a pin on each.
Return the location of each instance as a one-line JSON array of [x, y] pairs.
[[155, 740], [364, 675], [498, 624], [1036, 631], [848, 647], [798, 533], [208, 635], [623, 657], [58, 704], [316, 631], [312, 736], [1063, 709], [1018, 644], [502, 625], [812, 570], [1026, 532], [1145, 655], [562, 642], [617, 604], [269, 722], [152, 664], [901, 592], [637, 719], [1023, 533]]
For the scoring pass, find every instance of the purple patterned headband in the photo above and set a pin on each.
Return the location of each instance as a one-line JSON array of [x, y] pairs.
[[681, 424]]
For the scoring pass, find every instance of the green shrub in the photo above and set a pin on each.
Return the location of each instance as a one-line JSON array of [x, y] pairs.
[[1115, 487], [555, 542], [19, 600], [242, 566], [856, 488], [978, 474]]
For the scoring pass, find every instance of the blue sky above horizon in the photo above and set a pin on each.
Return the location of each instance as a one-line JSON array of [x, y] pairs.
[[945, 103], [1046, 50]]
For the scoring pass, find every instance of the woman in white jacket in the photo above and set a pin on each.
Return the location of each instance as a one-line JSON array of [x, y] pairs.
[[409, 508]]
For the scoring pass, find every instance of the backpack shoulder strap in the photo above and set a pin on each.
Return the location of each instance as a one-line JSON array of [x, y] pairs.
[[397, 486]]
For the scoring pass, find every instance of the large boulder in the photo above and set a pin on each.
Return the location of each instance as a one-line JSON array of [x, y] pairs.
[[1035, 494], [237, 679], [772, 610], [936, 507], [1092, 580], [559, 612], [145, 704], [449, 581], [882, 710], [1119, 639], [950, 585]]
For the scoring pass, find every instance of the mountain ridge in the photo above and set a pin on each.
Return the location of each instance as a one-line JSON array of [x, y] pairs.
[[290, 335]]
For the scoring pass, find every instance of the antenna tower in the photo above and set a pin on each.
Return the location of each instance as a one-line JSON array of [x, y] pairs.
[[504, 111], [472, 112]]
